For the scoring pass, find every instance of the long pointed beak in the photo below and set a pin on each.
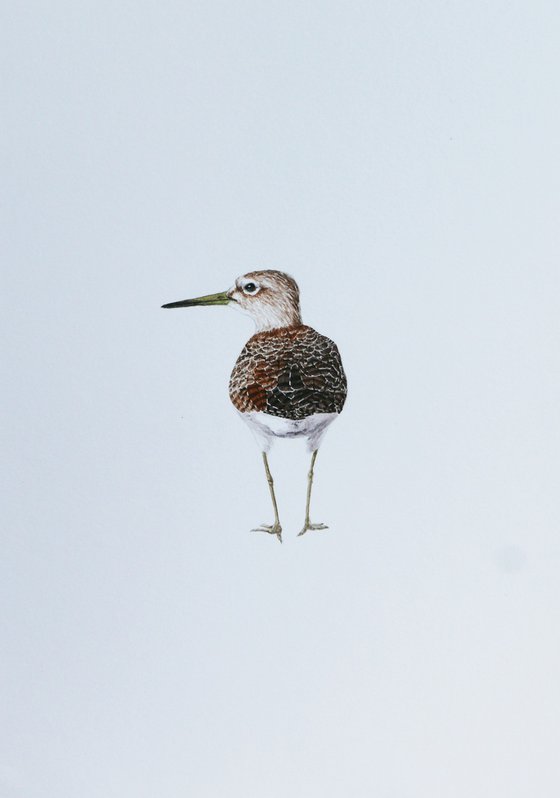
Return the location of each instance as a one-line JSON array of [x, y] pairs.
[[210, 299]]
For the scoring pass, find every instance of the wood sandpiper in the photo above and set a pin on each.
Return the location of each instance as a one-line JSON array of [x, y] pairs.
[[288, 381]]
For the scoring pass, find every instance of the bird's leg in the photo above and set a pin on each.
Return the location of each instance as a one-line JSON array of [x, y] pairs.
[[308, 525], [275, 528]]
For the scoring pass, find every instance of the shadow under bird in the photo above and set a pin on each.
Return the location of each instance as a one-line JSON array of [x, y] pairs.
[[288, 381]]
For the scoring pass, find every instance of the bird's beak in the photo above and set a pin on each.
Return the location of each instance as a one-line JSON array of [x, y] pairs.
[[211, 299]]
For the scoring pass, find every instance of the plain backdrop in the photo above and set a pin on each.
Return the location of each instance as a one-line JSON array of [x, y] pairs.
[[400, 159]]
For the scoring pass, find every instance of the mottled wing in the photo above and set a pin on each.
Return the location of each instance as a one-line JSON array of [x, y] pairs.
[[291, 373]]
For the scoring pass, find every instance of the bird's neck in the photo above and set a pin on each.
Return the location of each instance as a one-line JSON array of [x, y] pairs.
[[275, 316]]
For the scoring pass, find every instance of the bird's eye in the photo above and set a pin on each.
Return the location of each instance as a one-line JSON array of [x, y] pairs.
[[249, 288]]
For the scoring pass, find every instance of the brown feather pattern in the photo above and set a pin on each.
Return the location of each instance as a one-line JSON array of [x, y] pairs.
[[291, 372]]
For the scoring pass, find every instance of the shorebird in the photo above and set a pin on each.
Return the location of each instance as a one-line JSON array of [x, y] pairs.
[[288, 381]]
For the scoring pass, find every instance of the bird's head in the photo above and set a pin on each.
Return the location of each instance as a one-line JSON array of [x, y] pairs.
[[270, 297]]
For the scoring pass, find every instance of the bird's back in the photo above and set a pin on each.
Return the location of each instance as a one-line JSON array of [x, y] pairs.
[[291, 372]]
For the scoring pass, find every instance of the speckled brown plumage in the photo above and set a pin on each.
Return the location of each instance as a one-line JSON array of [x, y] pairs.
[[291, 372]]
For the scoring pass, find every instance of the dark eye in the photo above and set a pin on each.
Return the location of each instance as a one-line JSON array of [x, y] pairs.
[[250, 288]]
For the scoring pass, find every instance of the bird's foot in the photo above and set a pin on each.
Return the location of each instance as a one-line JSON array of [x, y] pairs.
[[308, 526], [271, 529]]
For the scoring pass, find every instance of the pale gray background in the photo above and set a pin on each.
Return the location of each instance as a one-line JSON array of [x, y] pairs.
[[400, 159]]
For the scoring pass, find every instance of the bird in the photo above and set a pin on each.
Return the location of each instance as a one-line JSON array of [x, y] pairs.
[[288, 381]]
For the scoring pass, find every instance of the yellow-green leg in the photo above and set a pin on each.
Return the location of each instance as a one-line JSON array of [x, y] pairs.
[[308, 525], [275, 528]]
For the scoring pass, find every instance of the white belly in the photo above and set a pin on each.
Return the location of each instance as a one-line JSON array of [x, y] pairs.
[[266, 427]]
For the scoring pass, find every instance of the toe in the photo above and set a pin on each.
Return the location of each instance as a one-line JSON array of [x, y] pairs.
[[311, 527], [270, 529]]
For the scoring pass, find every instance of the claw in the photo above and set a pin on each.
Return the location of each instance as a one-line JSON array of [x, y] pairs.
[[310, 527]]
